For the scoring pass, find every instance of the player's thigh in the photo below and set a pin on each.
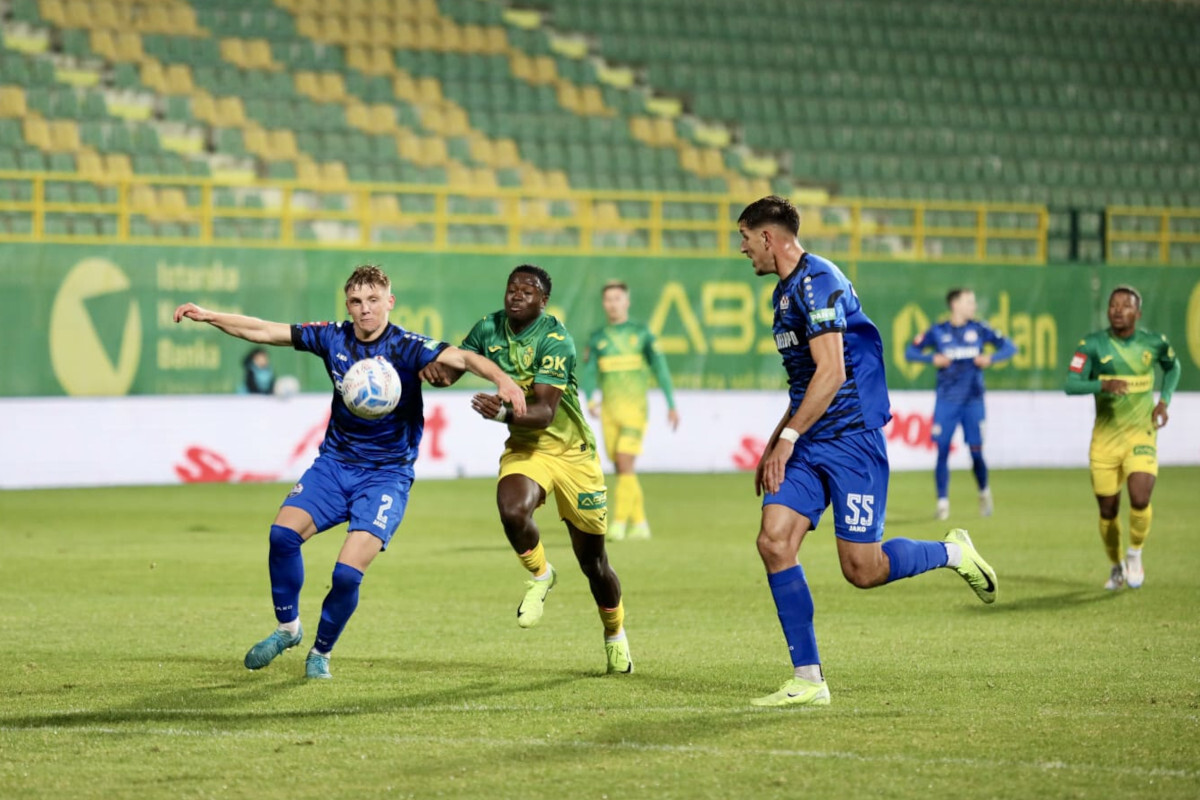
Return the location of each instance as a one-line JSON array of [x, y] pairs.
[[1141, 456], [802, 491], [1105, 467], [580, 493], [973, 423], [856, 471], [378, 500], [319, 495], [946, 418], [532, 465]]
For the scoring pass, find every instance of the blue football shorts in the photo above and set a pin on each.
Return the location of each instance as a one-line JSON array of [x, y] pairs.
[[369, 498], [949, 415], [850, 473]]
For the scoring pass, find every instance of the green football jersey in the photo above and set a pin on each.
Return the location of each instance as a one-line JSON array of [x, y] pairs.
[[542, 353], [1103, 356], [617, 360]]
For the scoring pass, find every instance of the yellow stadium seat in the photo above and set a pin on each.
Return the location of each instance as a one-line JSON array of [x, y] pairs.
[[333, 29], [179, 79], [358, 57], [117, 166], [172, 204], [258, 55], [545, 70], [361, 8], [153, 76], [308, 26], [333, 173], [53, 12], [433, 151], [408, 145], [233, 51], [255, 140], [333, 86], [532, 178], [568, 97], [105, 15], [90, 165], [664, 130], [37, 132], [431, 119], [429, 90], [483, 178], [143, 198], [712, 162], [474, 39], [591, 102], [383, 118], [385, 206], [426, 9], [605, 213], [181, 19], [454, 120], [404, 36], [449, 36], [306, 6], [520, 64], [78, 14], [358, 115], [356, 31], [154, 19], [458, 175], [103, 44], [506, 154], [12, 101], [307, 84], [282, 144], [379, 31], [689, 158], [497, 39], [230, 112], [556, 181], [307, 172], [404, 87], [204, 107], [64, 135], [482, 150], [129, 46]]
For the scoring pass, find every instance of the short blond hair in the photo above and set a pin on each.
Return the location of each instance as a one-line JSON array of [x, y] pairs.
[[368, 275]]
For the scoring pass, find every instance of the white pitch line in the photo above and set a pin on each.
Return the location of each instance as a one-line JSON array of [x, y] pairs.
[[712, 750]]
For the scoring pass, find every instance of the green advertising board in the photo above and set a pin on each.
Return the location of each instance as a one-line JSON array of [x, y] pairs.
[[89, 320]]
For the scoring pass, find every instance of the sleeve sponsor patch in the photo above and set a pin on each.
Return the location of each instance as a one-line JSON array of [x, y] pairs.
[[1077, 362], [823, 315]]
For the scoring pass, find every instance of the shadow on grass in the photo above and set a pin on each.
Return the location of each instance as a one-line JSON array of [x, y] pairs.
[[1054, 594]]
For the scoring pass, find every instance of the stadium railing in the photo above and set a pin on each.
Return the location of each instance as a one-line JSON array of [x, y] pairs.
[[1135, 235], [41, 207]]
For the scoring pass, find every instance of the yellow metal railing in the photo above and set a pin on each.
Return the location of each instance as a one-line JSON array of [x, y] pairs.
[[41, 207], [1152, 235]]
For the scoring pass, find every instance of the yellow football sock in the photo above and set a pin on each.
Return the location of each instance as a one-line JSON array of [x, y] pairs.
[[534, 560], [1139, 526], [1110, 534], [613, 619], [637, 514], [627, 490]]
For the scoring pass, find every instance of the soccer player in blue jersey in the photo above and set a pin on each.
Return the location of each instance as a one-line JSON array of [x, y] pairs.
[[956, 348], [364, 469], [828, 446]]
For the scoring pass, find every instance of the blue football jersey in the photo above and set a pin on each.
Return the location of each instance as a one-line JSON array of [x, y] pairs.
[[391, 440], [961, 380], [817, 299]]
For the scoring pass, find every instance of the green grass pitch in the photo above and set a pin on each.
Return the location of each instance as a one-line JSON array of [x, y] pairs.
[[125, 614]]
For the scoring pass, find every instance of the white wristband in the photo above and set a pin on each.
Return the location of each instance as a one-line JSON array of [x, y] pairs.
[[790, 434], [503, 414]]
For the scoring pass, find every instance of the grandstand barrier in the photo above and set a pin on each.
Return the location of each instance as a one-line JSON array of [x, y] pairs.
[[45, 207], [189, 439], [96, 319]]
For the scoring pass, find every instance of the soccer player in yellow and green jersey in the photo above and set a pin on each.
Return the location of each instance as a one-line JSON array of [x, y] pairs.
[[617, 359], [550, 449], [1117, 366]]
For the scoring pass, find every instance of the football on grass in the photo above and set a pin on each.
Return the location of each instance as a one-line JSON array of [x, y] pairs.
[[371, 388]]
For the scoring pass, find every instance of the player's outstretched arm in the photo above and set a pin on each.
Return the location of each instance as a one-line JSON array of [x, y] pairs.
[[539, 412], [458, 359], [918, 349], [252, 329]]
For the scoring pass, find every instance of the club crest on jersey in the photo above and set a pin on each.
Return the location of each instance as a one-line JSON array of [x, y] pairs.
[[785, 303], [297, 489], [970, 336], [527, 357], [1147, 357]]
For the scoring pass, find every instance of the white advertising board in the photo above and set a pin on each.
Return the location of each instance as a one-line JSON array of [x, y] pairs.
[[59, 442]]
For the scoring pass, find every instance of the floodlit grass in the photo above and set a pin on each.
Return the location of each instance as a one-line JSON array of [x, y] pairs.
[[125, 614]]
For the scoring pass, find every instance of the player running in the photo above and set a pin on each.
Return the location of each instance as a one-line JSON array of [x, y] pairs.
[[619, 354], [549, 449], [364, 469], [1117, 366], [828, 447], [957, 351]]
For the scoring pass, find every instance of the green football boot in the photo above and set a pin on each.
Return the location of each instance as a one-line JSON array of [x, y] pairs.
[[529, 613], [796, 692], [619, 660], [974, 570]]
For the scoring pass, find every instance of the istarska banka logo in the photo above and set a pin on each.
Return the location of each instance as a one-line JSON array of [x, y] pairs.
[[95, 330]]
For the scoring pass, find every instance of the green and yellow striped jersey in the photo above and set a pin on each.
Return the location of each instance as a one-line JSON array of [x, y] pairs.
[[1103, 356], [617, 359], [542, 353]]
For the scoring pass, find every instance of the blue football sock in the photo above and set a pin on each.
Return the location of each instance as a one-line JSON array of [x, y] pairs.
[[909, 557], [286, 566], [941, 473], [338, 606], [980, 468], [794, 602]]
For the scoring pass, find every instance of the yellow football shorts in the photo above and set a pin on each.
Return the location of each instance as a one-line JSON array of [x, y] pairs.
[[1113, 461], [623, 430], [575, 479]]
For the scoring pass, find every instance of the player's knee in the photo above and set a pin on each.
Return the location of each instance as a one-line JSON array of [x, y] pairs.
[[515, 516], [860, 578], [593, 566], [772, 548], [345, 578], [285, 541]]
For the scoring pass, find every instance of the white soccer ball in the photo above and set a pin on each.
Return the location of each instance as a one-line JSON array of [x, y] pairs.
[[371, 388]]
